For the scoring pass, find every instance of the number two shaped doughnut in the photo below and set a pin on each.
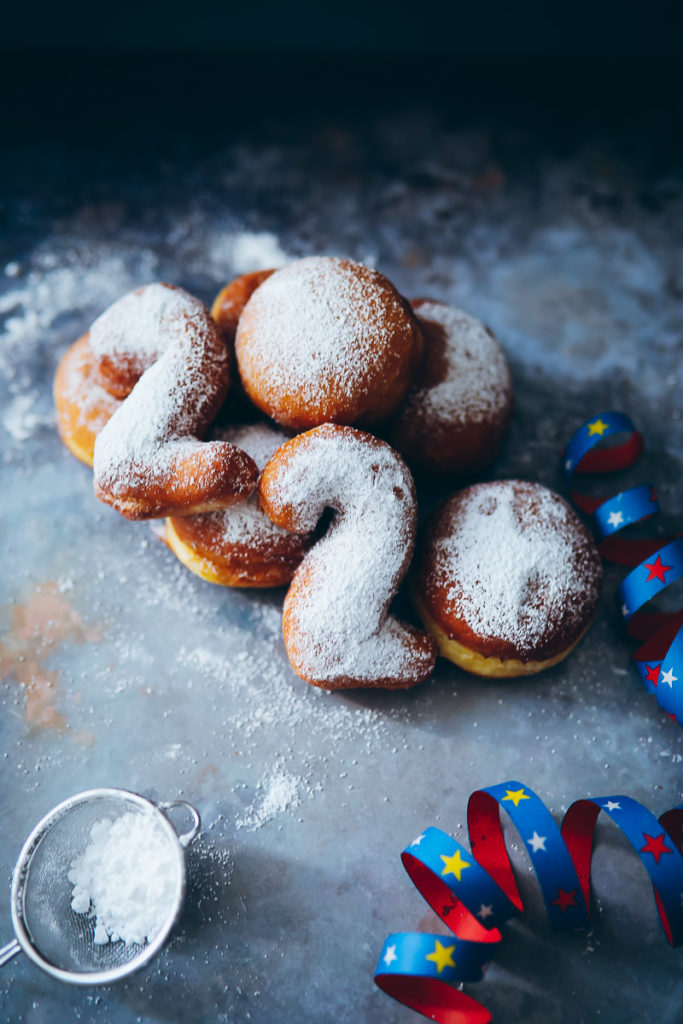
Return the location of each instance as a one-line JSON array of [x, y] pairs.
[[336, 628], [159, 347]]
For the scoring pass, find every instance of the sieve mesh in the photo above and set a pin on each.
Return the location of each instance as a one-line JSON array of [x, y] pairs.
[[42, 903]]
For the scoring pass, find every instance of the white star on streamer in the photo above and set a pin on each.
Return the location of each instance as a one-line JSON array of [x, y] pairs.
[[668, 677], [485, 910], [612, 805], [537, 842], [390, 955], [615, 518]]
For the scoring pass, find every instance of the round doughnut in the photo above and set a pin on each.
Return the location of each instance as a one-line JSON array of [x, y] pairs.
[[336, 628], [83, 405], [457, 411], [240, 546], [507, 578], [327, 340], [149, 459], [231, 300]]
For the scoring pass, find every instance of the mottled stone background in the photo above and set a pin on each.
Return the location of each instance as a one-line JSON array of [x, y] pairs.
[[120, 668]]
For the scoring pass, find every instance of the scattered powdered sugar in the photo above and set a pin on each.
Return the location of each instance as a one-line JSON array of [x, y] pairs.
[[516, 560], [167, 333], [258, 250], [470, 378], [21, 419], [316, 328], [337, 603], [126, 878], [276, 794]]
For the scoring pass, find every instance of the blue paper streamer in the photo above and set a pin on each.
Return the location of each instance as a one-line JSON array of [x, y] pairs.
[[475, 892], [660, 659]]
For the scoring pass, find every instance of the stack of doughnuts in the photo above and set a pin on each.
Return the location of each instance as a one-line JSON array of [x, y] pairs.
[[240, 427]]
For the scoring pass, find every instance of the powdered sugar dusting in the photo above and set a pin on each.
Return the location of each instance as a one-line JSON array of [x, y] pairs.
[[474, 381], [81, 388], [336, 608], [245, 523], [516, 561], [141, 325], [315, 329], [159, 421]]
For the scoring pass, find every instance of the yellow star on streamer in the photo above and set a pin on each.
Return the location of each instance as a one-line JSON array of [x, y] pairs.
[[454, 865], [515, 795], [598, 428], [442, 956]]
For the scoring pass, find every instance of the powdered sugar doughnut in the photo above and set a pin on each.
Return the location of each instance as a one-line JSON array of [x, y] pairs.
[[458, 408], [336, 628], [231, 300], [240, 546], [149, 459], [83, 405], [327, 340], [507, 578]]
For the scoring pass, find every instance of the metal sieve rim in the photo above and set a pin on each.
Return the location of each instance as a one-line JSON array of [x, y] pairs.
[[23, 863]]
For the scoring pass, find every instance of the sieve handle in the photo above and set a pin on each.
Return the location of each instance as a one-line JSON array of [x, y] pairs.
[[8, 951], [186, 838]]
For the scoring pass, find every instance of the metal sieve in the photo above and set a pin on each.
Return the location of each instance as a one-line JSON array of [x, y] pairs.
[[46, 928]]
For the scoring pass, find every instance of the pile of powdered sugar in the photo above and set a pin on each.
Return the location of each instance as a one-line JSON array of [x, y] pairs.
[[126, 879], [516, 560], [474, 379]]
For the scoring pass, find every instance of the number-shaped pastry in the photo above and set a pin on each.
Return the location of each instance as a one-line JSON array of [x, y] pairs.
[[336, 628], [159, 346]]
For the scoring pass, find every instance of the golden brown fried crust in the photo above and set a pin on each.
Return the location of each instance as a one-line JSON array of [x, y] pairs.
[[200, 544], [231, 300], [83, 407]]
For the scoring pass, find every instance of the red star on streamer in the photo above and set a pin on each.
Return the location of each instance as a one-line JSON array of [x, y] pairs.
[[655, 846], [657, 570], [565, 899], [652, 674]]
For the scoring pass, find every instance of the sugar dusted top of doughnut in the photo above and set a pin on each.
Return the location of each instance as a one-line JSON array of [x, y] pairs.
[[515, 563], [320, 329], [139, 323], [473, 379]]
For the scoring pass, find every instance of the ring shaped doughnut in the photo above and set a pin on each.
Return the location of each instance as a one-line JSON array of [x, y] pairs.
[[507, 578], [327, 340], [149, 459], [457, 411], [335, 623], [83, 405], [240, 546]]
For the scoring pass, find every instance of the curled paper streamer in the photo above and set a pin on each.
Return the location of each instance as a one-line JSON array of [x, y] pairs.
[[474, 892], [657, 561]]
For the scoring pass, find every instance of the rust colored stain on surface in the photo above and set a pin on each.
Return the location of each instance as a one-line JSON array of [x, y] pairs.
[[38, 628]]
